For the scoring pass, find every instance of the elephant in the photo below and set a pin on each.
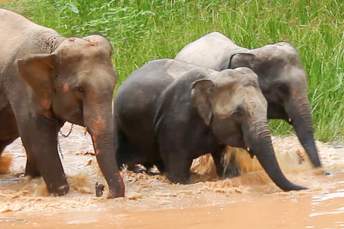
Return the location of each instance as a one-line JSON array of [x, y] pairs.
[[46, 80], [168, 113], [281, 77]]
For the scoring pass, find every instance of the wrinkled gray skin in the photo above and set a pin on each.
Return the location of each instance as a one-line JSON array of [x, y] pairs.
[[281, 77], [169, 113], [45, 80]]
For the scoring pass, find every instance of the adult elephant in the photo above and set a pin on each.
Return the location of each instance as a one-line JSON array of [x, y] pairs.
[[45, 80], [169, 112], [281, 77]]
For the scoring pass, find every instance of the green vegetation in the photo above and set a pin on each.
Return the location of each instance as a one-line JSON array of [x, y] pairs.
[[142, 30]]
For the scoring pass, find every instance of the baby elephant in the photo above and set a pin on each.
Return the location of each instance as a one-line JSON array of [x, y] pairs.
[[169, 113]]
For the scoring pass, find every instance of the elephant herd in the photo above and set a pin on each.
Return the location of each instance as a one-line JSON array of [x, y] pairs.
[[167, 113]]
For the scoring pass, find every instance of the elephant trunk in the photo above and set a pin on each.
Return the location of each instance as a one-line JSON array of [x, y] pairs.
[[258, 139], [299, 114], [100, 127]]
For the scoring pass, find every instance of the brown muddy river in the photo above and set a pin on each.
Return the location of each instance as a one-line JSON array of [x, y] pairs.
[[249, 201]]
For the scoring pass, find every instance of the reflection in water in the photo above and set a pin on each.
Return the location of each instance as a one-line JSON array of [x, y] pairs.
[[248, 201], [328, 196], [336, 211]]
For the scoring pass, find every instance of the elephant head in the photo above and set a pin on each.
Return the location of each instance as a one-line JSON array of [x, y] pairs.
[[232, 105], [75, 83], [283, 82]]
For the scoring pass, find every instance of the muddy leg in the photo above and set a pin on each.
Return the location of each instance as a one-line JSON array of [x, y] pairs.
[[178, 168], [2, 147], [231, 169], [160, 165], [4, 143], [125, 153], [220, 169], [8, 128], [39, 136], [31, 168]]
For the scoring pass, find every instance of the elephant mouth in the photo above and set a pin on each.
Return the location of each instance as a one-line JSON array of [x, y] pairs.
[[75, 117], [76, 120]]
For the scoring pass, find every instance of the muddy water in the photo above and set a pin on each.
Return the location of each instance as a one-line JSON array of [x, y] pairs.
[[249, 201]]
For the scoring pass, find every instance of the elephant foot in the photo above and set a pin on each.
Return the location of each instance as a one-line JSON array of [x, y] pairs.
[[231, 171], [136, 168], [57, 186], [58, 191], [153, 172], [160, 166], [178, 169], [178, 178], [147, 168]]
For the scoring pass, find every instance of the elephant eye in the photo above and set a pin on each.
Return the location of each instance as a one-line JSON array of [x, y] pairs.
[[238, 111], [283, 89]]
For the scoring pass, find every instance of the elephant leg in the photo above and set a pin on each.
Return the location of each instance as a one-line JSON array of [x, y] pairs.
[[39, 137], [2, 147], [31, 168], [231, 169], [178, 168], [8, 128], [220, 169], [125, 152], [4, 143], [160, 165]]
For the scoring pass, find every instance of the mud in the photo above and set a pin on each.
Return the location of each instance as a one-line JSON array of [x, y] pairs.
[[248, 201]]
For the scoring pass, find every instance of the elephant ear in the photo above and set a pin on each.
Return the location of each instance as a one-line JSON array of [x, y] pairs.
[[38, 71], [241, 59], [201, 92]]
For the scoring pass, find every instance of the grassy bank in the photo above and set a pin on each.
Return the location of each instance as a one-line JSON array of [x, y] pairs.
[[143, 30]]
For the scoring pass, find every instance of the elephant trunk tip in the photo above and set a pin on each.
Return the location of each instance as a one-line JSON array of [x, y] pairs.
[[317, 164], [293, 187], [313, 155]]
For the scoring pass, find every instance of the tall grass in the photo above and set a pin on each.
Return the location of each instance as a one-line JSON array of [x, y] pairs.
[[142, 30]]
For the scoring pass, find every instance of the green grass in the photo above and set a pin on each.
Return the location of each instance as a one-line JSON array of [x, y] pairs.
[[143, 30]]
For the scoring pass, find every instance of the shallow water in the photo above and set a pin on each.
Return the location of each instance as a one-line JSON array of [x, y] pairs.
[[249, 201]]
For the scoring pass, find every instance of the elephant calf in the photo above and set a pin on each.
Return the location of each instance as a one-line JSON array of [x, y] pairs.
[[281, 78], [45, 80], [169, 113]]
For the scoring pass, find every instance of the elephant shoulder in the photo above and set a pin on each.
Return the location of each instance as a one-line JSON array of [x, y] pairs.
[[175, 101], [178, 69]]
